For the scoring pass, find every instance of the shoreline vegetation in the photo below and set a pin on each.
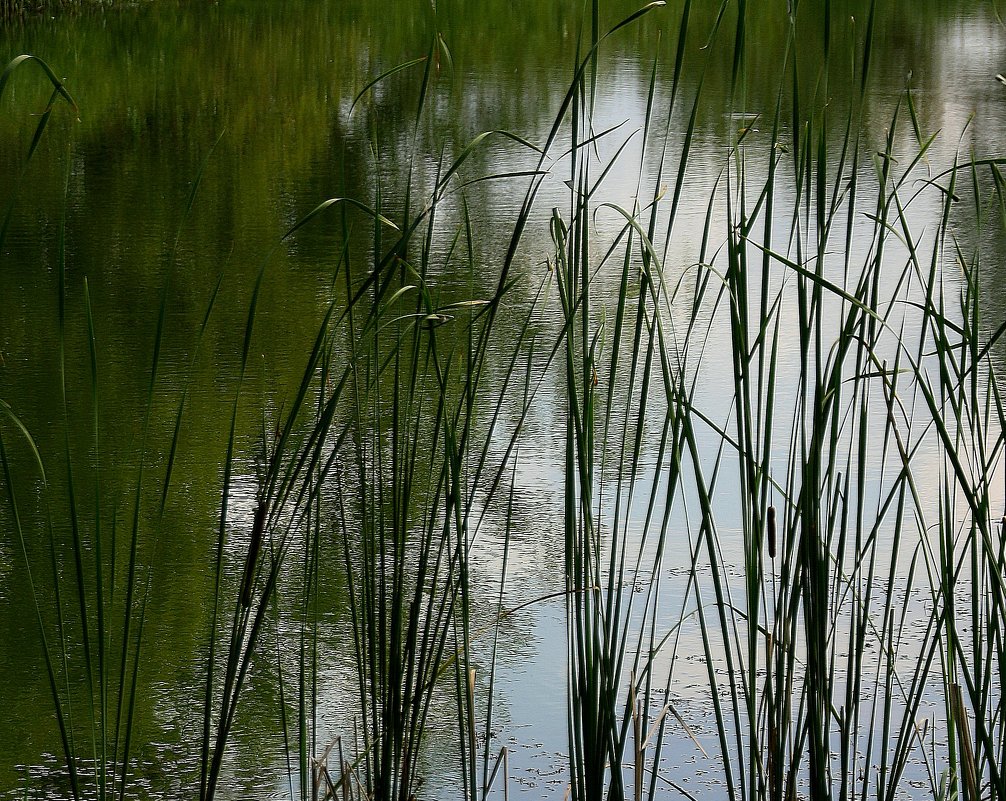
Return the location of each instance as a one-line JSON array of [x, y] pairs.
[[857, 466], [13, 10]]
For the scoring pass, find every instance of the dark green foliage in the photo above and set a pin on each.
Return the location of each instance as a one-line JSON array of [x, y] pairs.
[[11, 10]]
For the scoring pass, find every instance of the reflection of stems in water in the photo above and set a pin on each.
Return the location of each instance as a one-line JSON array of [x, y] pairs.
[[480, 633]]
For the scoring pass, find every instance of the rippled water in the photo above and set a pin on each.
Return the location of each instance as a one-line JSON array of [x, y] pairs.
[[257, 99]]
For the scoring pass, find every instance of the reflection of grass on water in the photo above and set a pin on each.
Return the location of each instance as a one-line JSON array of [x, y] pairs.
[[19, 9], [863, 419]]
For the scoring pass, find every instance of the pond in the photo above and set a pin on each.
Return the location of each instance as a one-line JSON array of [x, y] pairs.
[[532, 435]]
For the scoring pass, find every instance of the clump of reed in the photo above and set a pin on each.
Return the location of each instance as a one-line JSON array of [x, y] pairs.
[[380, 449], [820, 669], [818, 677]]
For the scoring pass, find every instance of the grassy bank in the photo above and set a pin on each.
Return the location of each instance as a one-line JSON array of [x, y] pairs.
[[12, 10], [780, 463]]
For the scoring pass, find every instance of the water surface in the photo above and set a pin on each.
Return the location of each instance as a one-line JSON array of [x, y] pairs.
[[256, 99]]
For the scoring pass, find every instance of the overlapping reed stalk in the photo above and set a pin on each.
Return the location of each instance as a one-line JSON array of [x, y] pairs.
[[819, 664], [621, 379]]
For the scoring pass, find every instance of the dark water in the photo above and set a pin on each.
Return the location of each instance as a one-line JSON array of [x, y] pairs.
[[254, 98]]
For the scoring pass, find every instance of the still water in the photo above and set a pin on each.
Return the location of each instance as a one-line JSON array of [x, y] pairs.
[[256, 101]]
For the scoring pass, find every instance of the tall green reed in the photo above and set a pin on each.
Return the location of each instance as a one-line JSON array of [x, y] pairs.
[[408, 515], [959, 389], [105, 625], [626, 382], [819, 665], [384, 439]]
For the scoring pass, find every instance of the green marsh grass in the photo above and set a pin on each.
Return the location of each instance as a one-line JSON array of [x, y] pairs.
[[853, 469], [821, 671], [14, 10]]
